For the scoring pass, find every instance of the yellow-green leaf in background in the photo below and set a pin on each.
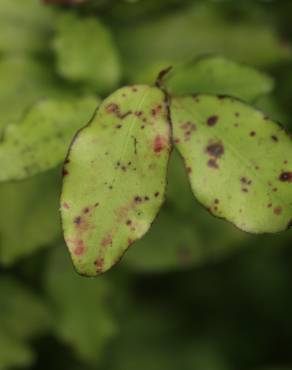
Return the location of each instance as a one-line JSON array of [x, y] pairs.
[[24, 80], [218, 75], [25, 26], [40, 140], [194, 31], [86, 53], [29, 220]]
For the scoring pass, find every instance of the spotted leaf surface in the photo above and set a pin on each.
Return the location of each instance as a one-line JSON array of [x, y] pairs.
[[40, 140], [239, 161], [115, 177]]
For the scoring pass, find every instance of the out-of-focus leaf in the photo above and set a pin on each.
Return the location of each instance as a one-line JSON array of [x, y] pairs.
[[115, 177], [170, 244], [29, 219], [238, 160], [14, 353], [22, 317], [154, 336], [83, 318], [25, 26], [217, 75], [65, 2], [40, 140], [23, 81], [270, 106], [196, 31], [86, 52]]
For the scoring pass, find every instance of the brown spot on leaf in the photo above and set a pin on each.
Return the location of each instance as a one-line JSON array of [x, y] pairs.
[[277, 211], [137, 199], [212, 163], [286, 177], [106, 241], [252, 133], [188, 128], [274, 138], [156, 110], [77, 220], [112, 108], [211, 121], [99, 263], [215, 150]]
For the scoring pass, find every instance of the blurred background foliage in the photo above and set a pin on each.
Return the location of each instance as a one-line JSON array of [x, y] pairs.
[[195, 293]]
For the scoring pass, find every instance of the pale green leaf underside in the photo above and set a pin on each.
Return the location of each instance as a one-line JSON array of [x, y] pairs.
[[116, 176], [218, 75], [86, 52], [239, 161], [40, 140]]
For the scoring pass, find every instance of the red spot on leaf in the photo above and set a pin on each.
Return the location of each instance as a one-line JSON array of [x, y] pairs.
[[79, 247], [159, 144]]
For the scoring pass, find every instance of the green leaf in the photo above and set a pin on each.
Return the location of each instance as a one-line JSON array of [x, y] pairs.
[[238, 160], [40, 140], [270, 105], [82, 313], [171, 243], [116, 175], [25, 26], [195, 31], [217, 75], [29, 219], [23, 316], [86, 52], [14, 353], [24, 81]]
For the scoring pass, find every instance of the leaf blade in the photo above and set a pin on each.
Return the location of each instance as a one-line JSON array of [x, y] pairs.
[[122, 155], [237, 160]]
